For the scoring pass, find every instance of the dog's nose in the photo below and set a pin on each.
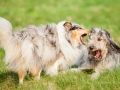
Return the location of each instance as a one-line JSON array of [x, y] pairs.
[[91, 47]]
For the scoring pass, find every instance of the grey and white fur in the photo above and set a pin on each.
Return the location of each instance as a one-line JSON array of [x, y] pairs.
[[50, 47], [103, 53]]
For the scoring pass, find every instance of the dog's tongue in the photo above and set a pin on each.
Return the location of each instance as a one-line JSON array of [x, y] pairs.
[[97, 54], [82, 39]]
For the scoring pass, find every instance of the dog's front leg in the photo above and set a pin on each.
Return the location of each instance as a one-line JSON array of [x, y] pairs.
[[79, 69], [96, 74]]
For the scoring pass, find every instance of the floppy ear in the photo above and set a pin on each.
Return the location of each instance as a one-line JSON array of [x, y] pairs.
[[67, 25], [111, 44]]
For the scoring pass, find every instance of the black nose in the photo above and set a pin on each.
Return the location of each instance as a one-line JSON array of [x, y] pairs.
[[91, 47]]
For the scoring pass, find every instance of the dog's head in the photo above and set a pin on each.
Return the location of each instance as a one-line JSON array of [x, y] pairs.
[[100, 43], [77, 32]]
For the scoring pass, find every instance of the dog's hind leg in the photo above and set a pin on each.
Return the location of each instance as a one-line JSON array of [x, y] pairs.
[[21, 75], [37, 73]]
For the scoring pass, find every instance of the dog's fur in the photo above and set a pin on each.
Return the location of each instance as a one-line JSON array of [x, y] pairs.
[[103, 53], [48, 47]]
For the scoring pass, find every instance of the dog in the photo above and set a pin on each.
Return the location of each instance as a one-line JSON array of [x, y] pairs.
[[52, 47], [103, 53]]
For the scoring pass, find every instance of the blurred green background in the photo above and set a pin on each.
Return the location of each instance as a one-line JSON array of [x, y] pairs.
[[89, 13], [101, 13]]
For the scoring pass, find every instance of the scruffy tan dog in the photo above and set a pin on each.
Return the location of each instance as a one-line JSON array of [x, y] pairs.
[[102, 53]]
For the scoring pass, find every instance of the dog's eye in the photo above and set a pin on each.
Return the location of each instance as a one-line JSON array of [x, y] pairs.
[[92, 31], [80, 28], [99, 39], [73, 28]]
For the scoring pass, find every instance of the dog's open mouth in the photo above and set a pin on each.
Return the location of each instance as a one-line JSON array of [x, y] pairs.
[[96, 54], [82, 38]]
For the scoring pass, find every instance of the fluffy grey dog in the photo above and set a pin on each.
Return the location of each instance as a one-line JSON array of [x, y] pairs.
[[103, 53], [50, 47]]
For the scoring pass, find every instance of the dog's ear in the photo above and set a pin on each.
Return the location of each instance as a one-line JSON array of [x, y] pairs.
[[111, 44], [108, 34], [67, 25]]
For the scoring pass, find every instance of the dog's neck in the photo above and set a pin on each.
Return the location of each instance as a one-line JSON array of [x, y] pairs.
[[68, 47]]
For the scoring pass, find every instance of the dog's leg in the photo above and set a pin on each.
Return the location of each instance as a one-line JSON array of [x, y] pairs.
[[76, 69], [21, 75], [71, 70], [54, 67], [96, 74], [37, 73], [52, 70]]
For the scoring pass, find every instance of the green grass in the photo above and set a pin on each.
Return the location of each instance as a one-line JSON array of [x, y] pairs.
[[90, 13]]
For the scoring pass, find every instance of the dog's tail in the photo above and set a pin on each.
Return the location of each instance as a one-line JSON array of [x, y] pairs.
[[5, 27], [5, 32]]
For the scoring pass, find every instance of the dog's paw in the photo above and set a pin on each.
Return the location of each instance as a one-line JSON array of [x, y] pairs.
[[64, 71], [21, 81], [71, 70], [94, 75], [75, 70], [37, 78]]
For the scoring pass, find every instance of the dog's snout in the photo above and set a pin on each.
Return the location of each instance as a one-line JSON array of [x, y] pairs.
[[91, 47]]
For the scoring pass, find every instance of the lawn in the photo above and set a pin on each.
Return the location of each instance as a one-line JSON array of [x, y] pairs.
[[89, 13]]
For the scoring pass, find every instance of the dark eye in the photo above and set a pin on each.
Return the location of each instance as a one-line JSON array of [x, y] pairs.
[[92, 31], [80, 28], [73, 28], [99, 39]]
